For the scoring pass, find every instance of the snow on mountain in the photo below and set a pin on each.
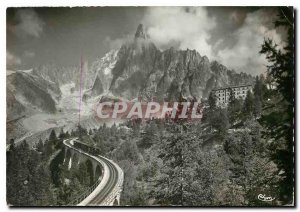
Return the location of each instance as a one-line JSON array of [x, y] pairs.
[[100, 75], [138, 69]]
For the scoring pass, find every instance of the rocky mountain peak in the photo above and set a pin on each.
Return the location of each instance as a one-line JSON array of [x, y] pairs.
[[140, 32], [142, 70]]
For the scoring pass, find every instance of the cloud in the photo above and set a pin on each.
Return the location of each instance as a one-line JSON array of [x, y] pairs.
[[244, 54], [193, 28], [180, 27], [231, 36], [12, 60], [117, 43], [28, 23]]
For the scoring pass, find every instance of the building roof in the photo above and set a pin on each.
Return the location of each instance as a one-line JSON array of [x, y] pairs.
[[235, 86]]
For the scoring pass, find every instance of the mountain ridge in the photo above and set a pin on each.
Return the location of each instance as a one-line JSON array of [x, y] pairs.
[[142, 70]]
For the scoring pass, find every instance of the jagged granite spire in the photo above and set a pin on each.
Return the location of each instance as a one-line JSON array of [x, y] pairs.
[[140, 32]]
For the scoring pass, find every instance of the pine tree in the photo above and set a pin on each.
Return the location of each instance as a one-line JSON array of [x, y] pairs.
[[62, 134], [150, 136], [231, 96], [52, 136], [257, 107], [279, 112], [67, 134], [212, 106], [48, 148], [251, 170], [234, 108], [80, 131], [170, 184], [259, 91], [260, 88], [28, 180], [212, 102], [248, 105], [40, 146], [219, 121]]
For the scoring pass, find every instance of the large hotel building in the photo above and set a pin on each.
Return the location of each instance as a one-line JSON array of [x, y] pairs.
[[222, 94]]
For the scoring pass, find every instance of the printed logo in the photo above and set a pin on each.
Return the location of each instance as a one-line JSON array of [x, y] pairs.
[[265, 198]]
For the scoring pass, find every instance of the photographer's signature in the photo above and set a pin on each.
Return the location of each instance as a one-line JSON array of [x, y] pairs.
[[264, 198]]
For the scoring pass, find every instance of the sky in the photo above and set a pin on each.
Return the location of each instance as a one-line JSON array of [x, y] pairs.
[[230, 35]]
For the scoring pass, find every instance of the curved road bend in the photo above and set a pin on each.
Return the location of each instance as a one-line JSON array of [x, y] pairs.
[[111, 182], [113, 179]]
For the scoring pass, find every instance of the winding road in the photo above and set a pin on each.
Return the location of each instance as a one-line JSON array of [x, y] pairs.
[[111, 184]]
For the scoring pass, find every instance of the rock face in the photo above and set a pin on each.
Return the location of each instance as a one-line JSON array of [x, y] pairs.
[[137, 69], [103, 69], [27, 91], [140, 32], [58, 75], [142, 70], [97, 87], [99, 75], [96, 90]]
